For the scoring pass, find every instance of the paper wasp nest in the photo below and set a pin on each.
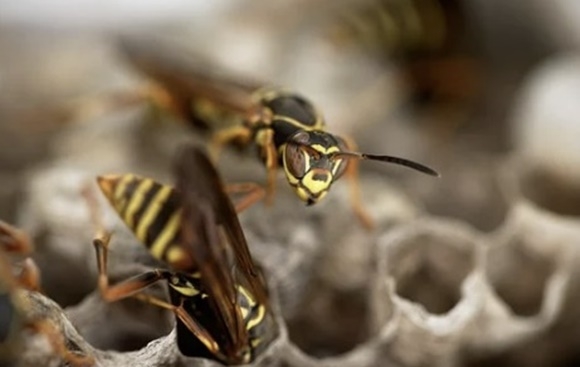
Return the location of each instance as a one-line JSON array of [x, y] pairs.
[[478, 268]]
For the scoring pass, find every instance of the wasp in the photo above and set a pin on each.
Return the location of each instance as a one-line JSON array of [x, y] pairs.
[[217, 293], [429, 39], [13, 316], [285, 127]]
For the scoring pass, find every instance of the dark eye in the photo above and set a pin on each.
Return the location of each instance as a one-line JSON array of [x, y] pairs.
[[295, 160]]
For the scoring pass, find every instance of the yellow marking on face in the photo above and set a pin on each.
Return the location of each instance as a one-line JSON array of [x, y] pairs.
[[302, 193], [306, 160], [291, 179], [121, 186], [166, 235], [256, 320], [335, 166], [136, 201], [316, 186], [247, 295], [325, 151], [186, 291], [152, 212], [174, 254]]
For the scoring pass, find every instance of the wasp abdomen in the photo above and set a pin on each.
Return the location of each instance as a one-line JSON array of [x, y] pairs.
[[151, 210]]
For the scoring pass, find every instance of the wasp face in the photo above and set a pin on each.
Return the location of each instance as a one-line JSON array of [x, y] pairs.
[[310, 165]]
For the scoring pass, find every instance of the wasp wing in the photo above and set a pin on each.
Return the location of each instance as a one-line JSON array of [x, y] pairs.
[[224, 263], [187, 76]]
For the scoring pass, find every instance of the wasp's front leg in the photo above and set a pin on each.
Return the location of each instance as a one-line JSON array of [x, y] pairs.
[[265, 139]]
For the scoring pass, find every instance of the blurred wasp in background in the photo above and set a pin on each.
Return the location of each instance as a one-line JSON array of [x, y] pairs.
[[430, 41], [14, 305], [286, 128], [218, 295]]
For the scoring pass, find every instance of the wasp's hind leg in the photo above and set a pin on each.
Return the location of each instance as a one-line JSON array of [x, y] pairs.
[[124, 289]]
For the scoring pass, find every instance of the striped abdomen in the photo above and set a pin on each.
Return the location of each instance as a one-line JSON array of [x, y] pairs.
[[399, 28], [153, 212]]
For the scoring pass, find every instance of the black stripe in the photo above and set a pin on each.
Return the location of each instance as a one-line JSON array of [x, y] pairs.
[[168, 208], [127, 194], [147, 198]]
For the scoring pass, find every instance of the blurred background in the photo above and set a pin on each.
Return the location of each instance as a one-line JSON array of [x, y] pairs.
[[484, 91]]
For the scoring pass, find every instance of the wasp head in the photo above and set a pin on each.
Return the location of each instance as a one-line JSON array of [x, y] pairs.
[[310, 163]]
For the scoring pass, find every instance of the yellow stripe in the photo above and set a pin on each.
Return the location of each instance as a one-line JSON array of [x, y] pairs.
[[151, 212], [335, 167], [175, 254], [247, 295], [136, 201], [245, 311], [256, 320], [122, 185], [297, 123], [186, 291], [166, 235]]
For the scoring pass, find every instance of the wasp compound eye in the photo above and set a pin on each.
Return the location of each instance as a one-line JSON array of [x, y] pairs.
[[295, 160]]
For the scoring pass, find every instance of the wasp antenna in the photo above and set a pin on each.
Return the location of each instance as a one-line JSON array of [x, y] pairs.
[[389, 159], [402, 162]]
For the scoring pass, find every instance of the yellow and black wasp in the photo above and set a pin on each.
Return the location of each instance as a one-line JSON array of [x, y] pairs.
[[216, 291], [430, 40], [287, 128], [13, 305]]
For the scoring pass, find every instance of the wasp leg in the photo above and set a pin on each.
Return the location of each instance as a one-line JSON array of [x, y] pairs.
[[266, 141], [253, 193], [14, 240], [29, 277], [101, 241], [241, 134], [125, 288], [198, 330], [58, 343], [353, 178]]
